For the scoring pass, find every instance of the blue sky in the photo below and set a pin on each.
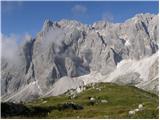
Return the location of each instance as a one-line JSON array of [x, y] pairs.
[[28, 17]]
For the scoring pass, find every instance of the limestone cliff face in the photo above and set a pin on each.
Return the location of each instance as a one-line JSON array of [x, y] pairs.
[[70, 48]]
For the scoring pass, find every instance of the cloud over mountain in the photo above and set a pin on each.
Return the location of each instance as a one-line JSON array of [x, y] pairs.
[[79, 10]]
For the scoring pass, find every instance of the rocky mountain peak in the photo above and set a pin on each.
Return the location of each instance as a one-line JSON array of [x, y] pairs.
[[142, 17], [101, 24], [70, 48], [47, 24]]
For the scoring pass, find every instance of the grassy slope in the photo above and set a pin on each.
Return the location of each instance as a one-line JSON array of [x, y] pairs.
[[121, 99]]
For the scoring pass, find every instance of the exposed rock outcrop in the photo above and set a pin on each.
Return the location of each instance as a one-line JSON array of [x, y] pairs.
[[70, 48]]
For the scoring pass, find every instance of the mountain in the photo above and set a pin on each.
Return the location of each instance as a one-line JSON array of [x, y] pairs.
[[68, 55]]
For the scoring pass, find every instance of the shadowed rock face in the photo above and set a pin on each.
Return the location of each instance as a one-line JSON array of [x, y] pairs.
[[70, 48]]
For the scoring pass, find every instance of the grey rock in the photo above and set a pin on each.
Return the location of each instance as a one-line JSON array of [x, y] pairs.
[[70, 48]]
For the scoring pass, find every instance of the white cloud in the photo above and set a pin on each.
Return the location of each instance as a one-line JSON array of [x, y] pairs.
[[10, 46], [107, 16], [79, 9], [55, 37], [27, 37], [24, 38]]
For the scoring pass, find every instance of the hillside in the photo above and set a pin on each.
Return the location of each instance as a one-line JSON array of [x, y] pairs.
[[111, 101]]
